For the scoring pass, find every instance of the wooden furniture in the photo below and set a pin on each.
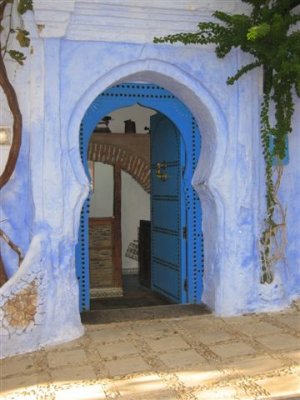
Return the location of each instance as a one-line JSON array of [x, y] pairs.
[[145, 253], [102, 254]]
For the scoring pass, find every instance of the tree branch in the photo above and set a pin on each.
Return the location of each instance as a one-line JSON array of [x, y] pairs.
[[13, 104]]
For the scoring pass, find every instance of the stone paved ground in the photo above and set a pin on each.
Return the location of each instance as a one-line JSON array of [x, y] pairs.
[[193, 357]]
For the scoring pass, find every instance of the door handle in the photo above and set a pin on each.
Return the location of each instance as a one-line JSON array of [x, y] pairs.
[[160, 171]]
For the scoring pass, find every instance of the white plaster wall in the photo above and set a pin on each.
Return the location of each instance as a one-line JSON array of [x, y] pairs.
[[199, 70], [290, 195]]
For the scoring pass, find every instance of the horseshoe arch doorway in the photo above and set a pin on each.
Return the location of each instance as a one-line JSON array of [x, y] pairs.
[[176, 264]]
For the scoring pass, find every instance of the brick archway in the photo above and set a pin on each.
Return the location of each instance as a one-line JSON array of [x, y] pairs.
[[110, 154]]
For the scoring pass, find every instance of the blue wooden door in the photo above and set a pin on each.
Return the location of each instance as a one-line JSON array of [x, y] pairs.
[[168, 252]]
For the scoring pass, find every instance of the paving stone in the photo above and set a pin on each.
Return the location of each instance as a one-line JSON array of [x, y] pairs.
[[24, 382], [140, 385], [32, 395], [255, 366], [73, 374], [293, 355], [199, 375], [235, 349], [116, 350], [225, 392], [213, 337], [125, 366], [279, 386], [202, 324], [83, 392], [292, 320], [259, 328], [279, 341], [155, 329], [161, 395], [171, 342], [110, 334], [241, 320], [18, 365], [70, 357], [73, 370], [181, 358], [74, 344]]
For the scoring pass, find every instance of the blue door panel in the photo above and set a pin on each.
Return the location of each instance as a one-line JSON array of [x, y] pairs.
[[170, 186], [169, 284], [166, 247], [163, 213]]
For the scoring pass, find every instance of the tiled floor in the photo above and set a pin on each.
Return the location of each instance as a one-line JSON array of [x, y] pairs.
[[134, 295], [187, 357]]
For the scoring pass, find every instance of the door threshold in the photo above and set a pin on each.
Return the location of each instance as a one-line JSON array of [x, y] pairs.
[[143, 313]]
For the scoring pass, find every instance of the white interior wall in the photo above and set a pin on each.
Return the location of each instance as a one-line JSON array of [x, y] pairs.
[[4, 150], [135, 201], [135, 206], [5, 120], [102, 198], [137, 113]]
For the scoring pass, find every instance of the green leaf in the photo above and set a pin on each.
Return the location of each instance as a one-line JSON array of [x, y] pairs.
[[17, 56], [258, 31], [22, 37], [24, 5]]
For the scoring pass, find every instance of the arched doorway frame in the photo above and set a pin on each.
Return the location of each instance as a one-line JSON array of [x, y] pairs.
[[158, 99], [214, 130]]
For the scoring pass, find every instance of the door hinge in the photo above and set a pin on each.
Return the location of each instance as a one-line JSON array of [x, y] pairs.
[[185, 285], [184, 232]]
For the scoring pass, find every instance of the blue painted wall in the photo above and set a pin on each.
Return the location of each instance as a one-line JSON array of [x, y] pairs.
[[44, 200]]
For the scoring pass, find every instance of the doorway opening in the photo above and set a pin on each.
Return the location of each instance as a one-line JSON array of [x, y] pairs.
[[173, 238]]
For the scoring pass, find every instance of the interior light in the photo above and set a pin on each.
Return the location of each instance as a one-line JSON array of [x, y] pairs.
[[5, 135]]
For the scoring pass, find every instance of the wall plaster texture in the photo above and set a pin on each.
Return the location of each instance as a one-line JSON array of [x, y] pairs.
[[41, 204]]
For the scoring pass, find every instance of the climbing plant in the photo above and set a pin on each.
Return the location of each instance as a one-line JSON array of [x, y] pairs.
[[10, 28], [269, 33]]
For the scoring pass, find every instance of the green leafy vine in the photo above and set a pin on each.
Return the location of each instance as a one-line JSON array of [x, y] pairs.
[[21, 35], [269, 34]]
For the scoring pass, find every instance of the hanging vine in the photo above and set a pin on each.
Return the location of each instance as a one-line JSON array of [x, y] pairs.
[[269, 34]]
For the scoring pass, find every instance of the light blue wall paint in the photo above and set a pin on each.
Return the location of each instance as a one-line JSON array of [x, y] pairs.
[[65, 77], [16, 205]]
